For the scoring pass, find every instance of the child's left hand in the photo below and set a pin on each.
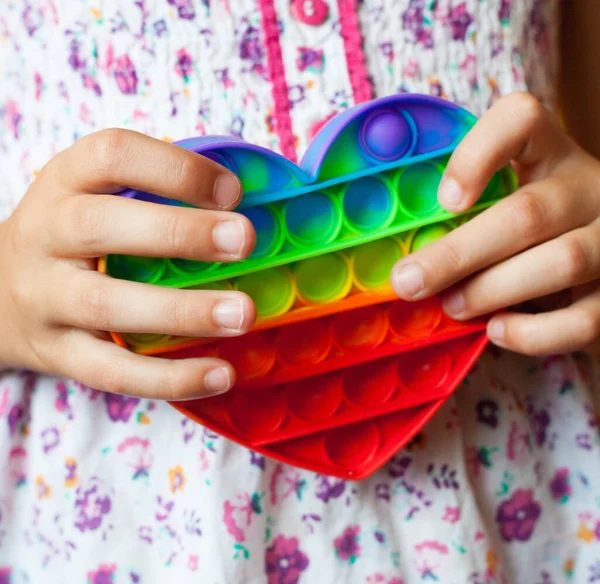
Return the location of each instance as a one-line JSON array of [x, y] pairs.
[[543, 239]]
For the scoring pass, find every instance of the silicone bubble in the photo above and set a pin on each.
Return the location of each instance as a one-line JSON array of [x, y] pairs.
[[361, 329], [424, 370], [304, 343], [348, 447], [415, 320], [312, 218], [372, 263], [323, 278], [269, 235], [259, 412], [386, 135], [428, 234], [418, 186], [182, 266], [220, 285], [272, 291], [366, 385], [251, 355], [315, 399], [136, 268], [369, 203]]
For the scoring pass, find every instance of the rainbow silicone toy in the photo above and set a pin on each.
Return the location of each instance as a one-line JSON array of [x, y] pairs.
[[337, 375]]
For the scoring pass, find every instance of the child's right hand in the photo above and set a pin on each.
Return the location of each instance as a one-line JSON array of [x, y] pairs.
[[54, 306]]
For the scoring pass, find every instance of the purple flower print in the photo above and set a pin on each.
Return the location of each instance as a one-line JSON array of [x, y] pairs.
[[160, 27], [91, 505], [251, 49], [12, 117], [539, 420], [15, 417], [103, 575], [504, 11], [33, 19], [487, 412], [5, 575], [413, 21], [346, 545], [184, 65], [398, 466], [257, 460], [560, 486], [310, 59], [328, 488], [284, 562], [185, 8], [460, 20], [119, 407], [518, 515], [125, 75], [75, 60]]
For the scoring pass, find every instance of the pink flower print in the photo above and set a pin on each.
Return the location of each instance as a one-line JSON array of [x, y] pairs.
[[560, 486], [310, 59], [346, 545], [105, 574], [12, 117], [119, 407], [184, 66], [518, 515], [451, 514], [39, 85], [222, 77], [92, 504], [185, 8], [284, 561], [138, 454], [469, 66], [90, 83], [237, 516], [5, 575], [125, 75], [412, 70], [413, 20], [284, 483], [17, 465], [460, 20]]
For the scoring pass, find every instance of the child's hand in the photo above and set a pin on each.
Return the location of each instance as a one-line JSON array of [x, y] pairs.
[[543, 239], [54, 305]]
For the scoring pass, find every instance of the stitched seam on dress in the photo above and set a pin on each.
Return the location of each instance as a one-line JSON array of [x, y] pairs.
[[279, 87], [353, 47]]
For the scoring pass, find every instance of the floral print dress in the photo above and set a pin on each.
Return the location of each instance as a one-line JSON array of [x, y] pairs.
[[502, 486]]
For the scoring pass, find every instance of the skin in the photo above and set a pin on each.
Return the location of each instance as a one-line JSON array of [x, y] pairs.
[[54, 306], [544, 239]]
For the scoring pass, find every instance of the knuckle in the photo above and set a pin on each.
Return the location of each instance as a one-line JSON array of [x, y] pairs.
[[588, 326], [455, 260], [177, 314], [87, 221], [94, 302], [528, 215], [106, 149], [182, 170], [179, 235], [524, 339], [572, 260], [527, 106], [23, 297]]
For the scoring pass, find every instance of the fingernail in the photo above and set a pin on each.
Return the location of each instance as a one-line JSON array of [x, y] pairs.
[[230, 237], [229, 314], [449, 193], [454, 304], [408, 280], [227, 191], [495, 331], [217, 380]]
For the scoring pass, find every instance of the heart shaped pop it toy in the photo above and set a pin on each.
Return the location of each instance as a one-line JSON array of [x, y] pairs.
[[337, 374]]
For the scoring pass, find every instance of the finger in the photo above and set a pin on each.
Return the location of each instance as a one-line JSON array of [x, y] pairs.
[[534, 214], [95, 301], [562, 263], [96, 225], [562, 331], [114, 159], [108, 367], [517, 128]]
